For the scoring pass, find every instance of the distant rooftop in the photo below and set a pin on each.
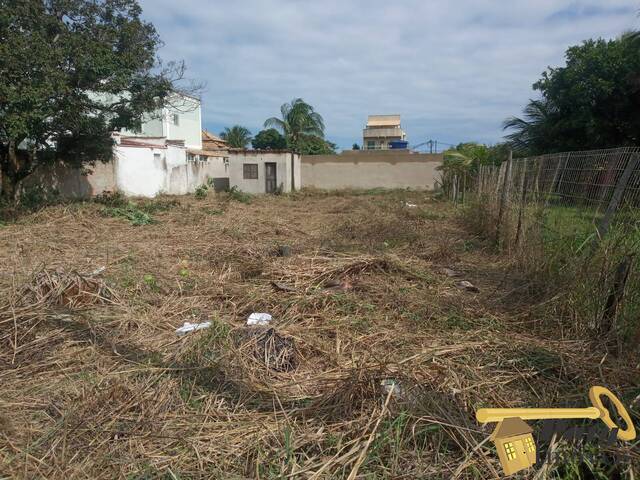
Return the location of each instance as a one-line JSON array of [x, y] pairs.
[[383, 120]]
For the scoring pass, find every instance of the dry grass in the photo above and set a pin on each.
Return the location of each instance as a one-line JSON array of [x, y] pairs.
[[95, 382]]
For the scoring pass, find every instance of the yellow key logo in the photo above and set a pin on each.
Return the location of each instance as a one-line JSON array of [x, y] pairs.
[[513, 437]]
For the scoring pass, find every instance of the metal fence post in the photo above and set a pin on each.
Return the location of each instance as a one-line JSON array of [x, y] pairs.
[[618, 193]]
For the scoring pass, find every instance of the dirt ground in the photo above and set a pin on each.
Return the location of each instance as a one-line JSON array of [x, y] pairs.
[[372, 366]]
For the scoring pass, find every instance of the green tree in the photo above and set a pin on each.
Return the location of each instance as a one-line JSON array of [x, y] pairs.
[[236, 136], [534, 132], [355, 147], [592, 102], [71, 73], [298, 121], [269, 139], [312, 145], [461, 164]]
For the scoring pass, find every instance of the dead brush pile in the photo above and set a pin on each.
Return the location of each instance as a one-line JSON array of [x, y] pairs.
[[69, 289], [270, 349], [372, 366], [37, 301]]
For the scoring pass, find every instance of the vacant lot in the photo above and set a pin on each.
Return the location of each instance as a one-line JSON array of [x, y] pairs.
[[372, 366]]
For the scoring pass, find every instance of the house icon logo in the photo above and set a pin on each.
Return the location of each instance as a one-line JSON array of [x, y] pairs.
[[513, 436], [515, 445]]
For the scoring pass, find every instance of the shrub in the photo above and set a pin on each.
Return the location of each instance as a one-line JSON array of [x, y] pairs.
[[111, 199], [201, 191], [130, 212], [238, 195]]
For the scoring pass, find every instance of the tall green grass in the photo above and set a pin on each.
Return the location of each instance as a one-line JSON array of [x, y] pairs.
[[561, 253]]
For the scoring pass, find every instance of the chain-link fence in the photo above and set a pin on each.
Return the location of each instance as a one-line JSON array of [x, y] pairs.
[[574, 216]]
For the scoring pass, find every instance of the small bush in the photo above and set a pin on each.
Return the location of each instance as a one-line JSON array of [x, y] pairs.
[[111, 199], [138, 213], [130, 212], [202, 191], [157, 205], [238, 195]]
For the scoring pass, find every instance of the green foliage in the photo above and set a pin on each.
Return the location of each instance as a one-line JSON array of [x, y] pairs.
[[201, 191], [36, 197], [129, 212], [236, 136], [150, 281], [157, 205], [269, 139], [70, 74], [590, 103], [238, 195], [298, 120], [355, 147], [312, 145], [138, 213], [111, 199], [461, 163]]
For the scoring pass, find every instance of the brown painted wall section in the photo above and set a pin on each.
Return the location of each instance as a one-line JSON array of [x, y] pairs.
[[73, 183], [371, 169]]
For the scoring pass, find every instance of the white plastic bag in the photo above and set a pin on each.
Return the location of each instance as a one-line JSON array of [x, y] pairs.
[[192, 327], [259, 319]]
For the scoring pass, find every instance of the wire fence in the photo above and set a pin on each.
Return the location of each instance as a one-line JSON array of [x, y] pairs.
[[572, 216], [592, 186]]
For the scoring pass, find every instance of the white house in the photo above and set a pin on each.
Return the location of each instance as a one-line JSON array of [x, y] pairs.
[[264, 171], [171, 154], [179, 120]]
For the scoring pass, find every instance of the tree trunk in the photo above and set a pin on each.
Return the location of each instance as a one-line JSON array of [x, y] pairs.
[[13, 169], [8, 189]]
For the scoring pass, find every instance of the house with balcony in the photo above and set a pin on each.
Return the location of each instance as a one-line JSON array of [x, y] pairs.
[[383, 132]]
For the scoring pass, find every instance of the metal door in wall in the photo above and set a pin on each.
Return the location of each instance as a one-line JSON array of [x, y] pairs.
[[270, 177]]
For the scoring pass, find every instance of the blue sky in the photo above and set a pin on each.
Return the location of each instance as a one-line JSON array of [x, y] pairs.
[[453, 69]]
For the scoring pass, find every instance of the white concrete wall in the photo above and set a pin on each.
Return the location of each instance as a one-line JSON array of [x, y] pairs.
[[189, 121], [153, 126], [147, 172], [160, 123], [282, 160], [140, 171]]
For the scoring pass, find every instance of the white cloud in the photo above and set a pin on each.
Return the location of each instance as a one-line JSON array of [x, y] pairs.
[[453, 69]]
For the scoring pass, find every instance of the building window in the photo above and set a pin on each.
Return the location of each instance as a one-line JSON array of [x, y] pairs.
[[530, 445], [175, 119], [510, 450], [250, 171], [371, 145], [191, 157]]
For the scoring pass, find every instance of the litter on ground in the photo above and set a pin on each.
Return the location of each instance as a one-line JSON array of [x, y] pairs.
[[259, 319], [468, 286], [192, 327]]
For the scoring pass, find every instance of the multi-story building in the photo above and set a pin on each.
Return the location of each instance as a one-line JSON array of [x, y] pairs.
[[381, 131]]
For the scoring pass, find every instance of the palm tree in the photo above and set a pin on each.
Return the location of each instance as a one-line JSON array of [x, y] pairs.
[[299, 119], [532, 132], [236, 136]]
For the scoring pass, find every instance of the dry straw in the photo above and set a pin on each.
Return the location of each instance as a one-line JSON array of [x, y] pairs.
[[373, 365]]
